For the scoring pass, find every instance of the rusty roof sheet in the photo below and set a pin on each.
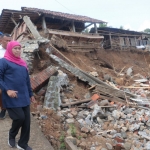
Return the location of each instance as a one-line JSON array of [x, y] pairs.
[[63, 15]]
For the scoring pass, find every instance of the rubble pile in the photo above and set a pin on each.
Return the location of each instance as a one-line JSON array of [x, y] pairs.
[[106, 115], [87, 99]]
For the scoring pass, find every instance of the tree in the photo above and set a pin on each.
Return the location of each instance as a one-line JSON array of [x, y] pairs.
[[147, 30], [121, 27], [102, 25]]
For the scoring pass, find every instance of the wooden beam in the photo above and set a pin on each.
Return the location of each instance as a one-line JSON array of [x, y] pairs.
[[95, 27], [110, 39], [76, 103], [12, 19], [31, 27], [44, 23], [73, 27]]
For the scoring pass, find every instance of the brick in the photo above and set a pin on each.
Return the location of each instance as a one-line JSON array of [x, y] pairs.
[[39, 79], [119, 140], [95, 97]]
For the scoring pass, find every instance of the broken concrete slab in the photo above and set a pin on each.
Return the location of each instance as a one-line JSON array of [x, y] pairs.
[[69, 141], [52, 96]]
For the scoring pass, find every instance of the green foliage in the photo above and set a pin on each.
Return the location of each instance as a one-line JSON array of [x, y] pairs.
[[102, 25], [121, 27], [73, 130], [62, 141], [62, 137], [147, 30], [79, 137], [62, 146]]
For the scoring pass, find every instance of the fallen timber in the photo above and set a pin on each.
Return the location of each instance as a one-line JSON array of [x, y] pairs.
[[102, 88]]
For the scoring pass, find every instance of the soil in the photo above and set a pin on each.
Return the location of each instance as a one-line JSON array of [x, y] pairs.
[[101, 61]]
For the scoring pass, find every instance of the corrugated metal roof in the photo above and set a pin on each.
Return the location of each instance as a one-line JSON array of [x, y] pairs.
[[64, 15]]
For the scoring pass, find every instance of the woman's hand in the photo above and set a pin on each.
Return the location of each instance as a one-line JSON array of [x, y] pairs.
[[32, 99], [12, 93]]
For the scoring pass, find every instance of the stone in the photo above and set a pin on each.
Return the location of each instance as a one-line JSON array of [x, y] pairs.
[[127, 146], [124, 135], [142, 128], [98, 148], [74, 113], [116, 114], [104, 102], [83, 145], [70, 121], [93, 132], [94, 73], [110, 118], [128, 111], [85, 130], [134, 127], [83, 135], [147, 146], [100, 121], [113, 132], [124, 129], [87, 96], [109, 146], [107, 77], [70, 115], [70, 143], [72, 139]]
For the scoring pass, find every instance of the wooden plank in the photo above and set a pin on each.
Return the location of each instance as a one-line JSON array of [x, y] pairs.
[[75, 34], [75, 103], [132, 87], [31, 27]]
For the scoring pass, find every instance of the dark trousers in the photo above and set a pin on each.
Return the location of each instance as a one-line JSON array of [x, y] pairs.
[[21, 119], [1, 105]]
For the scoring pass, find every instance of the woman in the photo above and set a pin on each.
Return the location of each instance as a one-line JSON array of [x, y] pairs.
[[16, 94]]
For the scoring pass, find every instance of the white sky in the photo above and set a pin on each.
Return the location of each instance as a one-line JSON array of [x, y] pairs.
[[131, 14]]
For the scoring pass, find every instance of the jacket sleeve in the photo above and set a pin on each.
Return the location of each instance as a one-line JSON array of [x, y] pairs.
[[29, 85], [3, 68]]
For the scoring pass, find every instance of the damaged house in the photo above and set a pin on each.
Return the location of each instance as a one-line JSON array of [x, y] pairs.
[[120, 39], [93, 99], [64, 30]]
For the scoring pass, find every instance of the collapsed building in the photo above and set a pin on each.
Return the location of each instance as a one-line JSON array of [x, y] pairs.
[[69, 76], [120, 39]]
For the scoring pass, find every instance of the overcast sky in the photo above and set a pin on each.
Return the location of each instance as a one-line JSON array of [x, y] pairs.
[[131, 14]]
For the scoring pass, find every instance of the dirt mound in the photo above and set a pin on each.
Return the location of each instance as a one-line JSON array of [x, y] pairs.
[[103, 62]]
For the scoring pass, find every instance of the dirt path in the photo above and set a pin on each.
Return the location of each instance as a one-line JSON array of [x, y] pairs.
[[37, 139]]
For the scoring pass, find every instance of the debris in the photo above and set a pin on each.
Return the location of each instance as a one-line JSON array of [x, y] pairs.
[[95, 74], [95, 97], [129, 71], [38, 80]]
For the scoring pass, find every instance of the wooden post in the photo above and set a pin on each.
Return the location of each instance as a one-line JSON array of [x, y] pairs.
[[110, 39], [44, 23], [95, 27], [135, 41], [31, 27], [12, 19], [73, 27], [120, 42]]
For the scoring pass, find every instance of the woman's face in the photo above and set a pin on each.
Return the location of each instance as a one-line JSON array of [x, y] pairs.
[[16, 51]]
